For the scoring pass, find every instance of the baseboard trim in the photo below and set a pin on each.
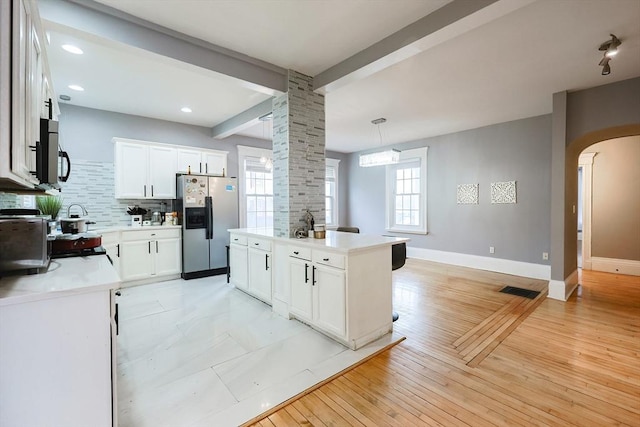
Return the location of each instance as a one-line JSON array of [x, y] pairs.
[[620, 266], [499, 265], [562, 289]]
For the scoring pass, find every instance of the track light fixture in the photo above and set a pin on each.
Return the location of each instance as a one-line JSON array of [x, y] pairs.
[[610, 49]]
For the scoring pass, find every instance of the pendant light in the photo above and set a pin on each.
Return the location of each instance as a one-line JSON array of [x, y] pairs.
[[380, 158]]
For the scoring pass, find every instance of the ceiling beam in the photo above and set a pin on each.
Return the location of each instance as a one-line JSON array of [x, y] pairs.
[[451, 20], [243, 120], [112, 24]]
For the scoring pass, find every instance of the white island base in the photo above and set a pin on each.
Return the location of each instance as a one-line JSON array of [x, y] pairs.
[[340, 285]]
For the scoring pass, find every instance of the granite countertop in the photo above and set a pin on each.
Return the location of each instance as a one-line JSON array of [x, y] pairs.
[[335, 240], [65, 276]]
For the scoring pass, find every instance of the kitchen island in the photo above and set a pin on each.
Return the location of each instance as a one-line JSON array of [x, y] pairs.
[[340, 285], [57, 345]]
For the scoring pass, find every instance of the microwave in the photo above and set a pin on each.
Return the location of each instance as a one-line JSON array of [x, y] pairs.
[[52, 165], [24, 244]]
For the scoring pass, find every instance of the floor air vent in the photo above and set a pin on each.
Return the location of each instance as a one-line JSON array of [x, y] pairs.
[[527, 293]]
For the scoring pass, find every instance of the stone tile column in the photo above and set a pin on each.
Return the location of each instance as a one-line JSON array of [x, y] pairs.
[[298, 155]]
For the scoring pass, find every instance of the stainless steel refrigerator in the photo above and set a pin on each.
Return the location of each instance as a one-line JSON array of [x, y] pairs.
[[209, 206]]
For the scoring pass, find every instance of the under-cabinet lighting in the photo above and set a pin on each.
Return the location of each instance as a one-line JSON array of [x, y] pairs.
[[380, 158], [185, 109], [76, 87]]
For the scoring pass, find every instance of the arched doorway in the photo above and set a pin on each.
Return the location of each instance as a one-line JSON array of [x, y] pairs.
[[572, 155]]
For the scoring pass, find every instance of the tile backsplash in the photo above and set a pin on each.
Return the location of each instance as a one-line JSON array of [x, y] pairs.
[[92, 185]]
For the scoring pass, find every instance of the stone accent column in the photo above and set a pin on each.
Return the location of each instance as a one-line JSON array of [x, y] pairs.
[[298, 155]]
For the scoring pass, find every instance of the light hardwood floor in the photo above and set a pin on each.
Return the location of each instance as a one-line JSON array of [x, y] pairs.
[[474, 356]]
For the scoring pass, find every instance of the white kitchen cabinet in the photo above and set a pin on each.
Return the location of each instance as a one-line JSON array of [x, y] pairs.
[[57, 361], [210, 162], [318, 291], [144, 171], [111, 243], [151, 253], [260, 271], [238, 262], [24, 76]]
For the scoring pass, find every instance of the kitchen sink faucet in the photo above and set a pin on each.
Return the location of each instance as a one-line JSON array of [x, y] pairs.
[[84, 211]]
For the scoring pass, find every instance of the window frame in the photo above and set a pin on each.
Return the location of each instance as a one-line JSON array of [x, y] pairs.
[[335, 164], [406, 156], [243, 153]]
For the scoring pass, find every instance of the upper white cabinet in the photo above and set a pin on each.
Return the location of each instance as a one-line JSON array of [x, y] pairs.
[[144, 171], [147, 170], [210, 162], [24, 89]]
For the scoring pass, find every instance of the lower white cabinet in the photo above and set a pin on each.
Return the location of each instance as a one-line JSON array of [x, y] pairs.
[[318, 295], [259, 283], [238, 262], [57, 358], [144, 254]]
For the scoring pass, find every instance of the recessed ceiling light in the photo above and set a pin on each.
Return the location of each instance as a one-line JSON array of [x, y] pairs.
[[72, 49], [76, 87], [185, 109]]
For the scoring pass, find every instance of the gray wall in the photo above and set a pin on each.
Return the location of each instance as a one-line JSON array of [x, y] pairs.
[[615, 222], [518, 150]]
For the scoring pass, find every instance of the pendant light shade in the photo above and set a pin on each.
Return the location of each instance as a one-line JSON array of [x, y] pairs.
[[380, 158]]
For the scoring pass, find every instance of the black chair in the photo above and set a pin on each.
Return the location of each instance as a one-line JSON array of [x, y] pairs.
[[398, 258], [348, 229]]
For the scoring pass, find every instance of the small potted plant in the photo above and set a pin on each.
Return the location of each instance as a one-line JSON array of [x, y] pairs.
[[49, 205]]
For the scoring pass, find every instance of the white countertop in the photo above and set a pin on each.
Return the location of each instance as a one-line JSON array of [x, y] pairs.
[[65, 276], [336, 240]]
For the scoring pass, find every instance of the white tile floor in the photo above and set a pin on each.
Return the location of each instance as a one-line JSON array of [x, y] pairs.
[[201, 353]]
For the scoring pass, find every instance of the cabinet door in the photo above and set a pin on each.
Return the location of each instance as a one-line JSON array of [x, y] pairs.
[[131, 171], [34, 101], [162, 173], [238, 264], [260, 274], [214, 163], [113, 250], [167, 256], [329, 299], [136, 261], [301, 288], [189, 158]]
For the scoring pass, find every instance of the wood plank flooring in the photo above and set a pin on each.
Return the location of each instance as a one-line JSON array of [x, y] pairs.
[[477, 357]]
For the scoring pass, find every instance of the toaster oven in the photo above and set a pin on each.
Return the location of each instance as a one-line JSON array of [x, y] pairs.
[[24, 244]]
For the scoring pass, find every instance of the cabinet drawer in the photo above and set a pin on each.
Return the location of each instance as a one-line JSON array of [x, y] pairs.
[[154, 234], [238, 239], [329, 258], [262, 244], [300, 252], [110, 237]]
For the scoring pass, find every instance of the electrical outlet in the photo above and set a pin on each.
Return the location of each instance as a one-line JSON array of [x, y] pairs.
[[492, 250], [545, 255]]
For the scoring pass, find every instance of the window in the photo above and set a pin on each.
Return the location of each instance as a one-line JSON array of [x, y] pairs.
[[406, 201], [331, 192], [256, 187]]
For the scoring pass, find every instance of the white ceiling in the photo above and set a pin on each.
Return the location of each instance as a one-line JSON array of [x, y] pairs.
[[504, 70]]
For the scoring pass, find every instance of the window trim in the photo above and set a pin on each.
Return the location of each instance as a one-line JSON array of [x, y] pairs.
[[406, 156], [243, 153], [335, 163]]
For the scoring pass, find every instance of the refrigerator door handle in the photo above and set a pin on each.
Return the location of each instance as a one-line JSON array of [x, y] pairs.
[[208, 217]]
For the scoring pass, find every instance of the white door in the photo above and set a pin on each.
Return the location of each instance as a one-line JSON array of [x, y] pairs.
[[300, 272], [136, 261], [214, 163], [189, 158], [329, 300], [162, 173], [131, 171], [238, 265], [260, 274], [34, 88], [167, 256]]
